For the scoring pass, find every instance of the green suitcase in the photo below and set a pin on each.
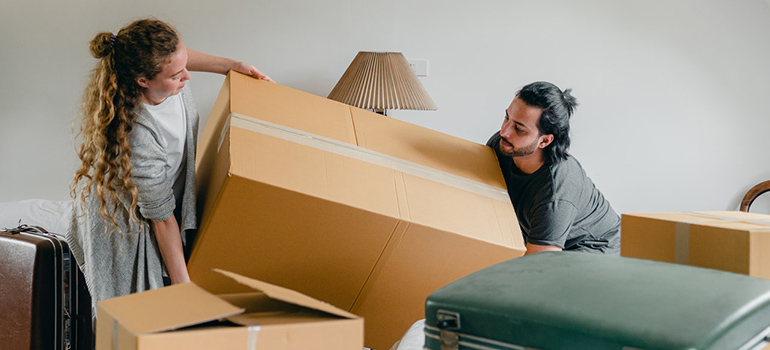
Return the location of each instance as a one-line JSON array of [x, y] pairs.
[[563, 300]]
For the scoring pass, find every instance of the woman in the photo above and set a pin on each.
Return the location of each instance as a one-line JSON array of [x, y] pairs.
[[135, 189]]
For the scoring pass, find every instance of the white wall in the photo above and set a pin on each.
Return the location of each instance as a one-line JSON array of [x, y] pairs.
[[672, 116]]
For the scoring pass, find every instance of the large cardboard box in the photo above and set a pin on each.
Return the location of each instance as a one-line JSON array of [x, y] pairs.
[[185, 316], [366, 212], [723, 240]]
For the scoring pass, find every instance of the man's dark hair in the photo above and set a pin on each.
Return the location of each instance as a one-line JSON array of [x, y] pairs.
[[557, 107]]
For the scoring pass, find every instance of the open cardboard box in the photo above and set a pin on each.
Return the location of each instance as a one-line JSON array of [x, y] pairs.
[[723, 240], [187, 317], [366, 212]]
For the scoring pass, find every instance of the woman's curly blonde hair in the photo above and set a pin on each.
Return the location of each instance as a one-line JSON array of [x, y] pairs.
[[140, 50]]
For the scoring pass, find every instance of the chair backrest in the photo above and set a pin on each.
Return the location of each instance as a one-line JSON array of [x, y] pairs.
[[753, 193]]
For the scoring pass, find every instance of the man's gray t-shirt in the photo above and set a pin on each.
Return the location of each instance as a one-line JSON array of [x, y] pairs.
[[559, 205]]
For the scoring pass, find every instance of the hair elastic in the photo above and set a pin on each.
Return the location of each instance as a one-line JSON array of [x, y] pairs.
[[112, 40]]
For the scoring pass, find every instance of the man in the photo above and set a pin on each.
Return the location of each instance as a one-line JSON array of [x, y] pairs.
[[557, 205]]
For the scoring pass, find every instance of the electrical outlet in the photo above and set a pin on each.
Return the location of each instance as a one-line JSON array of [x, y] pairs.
[[419, 67]]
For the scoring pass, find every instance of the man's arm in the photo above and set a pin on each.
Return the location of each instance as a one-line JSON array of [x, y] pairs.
[[550, 226], [534, 248], [201, 62]]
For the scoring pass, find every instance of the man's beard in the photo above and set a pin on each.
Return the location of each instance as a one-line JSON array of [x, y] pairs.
[[519, 152]]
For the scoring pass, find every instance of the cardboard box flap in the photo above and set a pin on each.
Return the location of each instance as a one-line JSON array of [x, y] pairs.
[[281, 318], [708, 217], [494, 190], [279, 104], [736, 216], [427, 147], [675, 217], [168, 308], [287, 295]]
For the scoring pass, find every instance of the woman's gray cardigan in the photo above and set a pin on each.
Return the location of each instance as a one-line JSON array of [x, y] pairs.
[[115, 264]]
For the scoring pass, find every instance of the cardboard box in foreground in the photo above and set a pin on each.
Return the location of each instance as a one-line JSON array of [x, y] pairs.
[[723, 240], [185, 316], [366, 212]]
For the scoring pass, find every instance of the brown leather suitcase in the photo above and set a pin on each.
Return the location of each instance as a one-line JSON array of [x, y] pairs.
[[44, 302]]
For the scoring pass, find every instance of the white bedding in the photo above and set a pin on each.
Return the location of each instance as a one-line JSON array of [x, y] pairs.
[[51, 215], [413, 339]]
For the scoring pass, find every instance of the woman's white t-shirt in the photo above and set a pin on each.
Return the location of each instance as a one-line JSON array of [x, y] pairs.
[[171, 117]]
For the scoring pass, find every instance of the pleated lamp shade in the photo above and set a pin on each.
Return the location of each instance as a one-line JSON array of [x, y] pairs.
[[380, 81]]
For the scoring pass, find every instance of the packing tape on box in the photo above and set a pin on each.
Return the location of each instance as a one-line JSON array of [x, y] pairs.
[[115, 335], [682, 235], [360, 153], [682, 243], [252, 341]]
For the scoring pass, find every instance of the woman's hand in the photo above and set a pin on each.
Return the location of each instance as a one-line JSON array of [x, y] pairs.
[[201, 62], [248, 68]]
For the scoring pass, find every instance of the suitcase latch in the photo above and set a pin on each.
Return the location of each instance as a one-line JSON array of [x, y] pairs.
[[448, 325]]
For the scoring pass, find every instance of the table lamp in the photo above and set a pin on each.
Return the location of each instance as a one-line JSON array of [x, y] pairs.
[[379, 81]]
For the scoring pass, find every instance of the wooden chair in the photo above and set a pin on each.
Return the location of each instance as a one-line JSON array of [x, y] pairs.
[[753, 193]]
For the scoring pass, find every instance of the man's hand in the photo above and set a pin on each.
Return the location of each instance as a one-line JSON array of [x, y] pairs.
[[534, 248]]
